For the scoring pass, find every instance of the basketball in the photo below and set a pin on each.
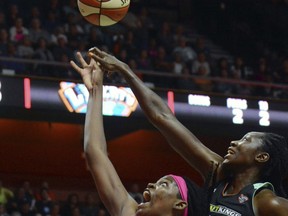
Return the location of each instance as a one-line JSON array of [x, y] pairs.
[[103, 12]]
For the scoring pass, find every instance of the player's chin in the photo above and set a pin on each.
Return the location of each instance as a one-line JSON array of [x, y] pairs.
[[141, 211]]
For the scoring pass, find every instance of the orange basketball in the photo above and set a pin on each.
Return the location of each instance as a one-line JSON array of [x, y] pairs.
[[103, 12]]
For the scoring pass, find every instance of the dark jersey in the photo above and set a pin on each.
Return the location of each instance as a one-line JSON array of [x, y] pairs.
[[240, 204]]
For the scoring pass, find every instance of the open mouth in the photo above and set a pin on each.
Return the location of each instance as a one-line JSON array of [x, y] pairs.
[[230, 151], [146, 195], [146, 199]]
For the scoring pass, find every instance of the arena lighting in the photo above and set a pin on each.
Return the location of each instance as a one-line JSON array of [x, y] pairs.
[[27, 93], [55, 96]]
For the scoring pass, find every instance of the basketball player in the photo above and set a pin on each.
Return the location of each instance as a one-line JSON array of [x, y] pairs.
[[171, 195], [248, 180]]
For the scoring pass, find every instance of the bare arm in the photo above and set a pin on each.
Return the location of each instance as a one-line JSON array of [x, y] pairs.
[[179, 137], [109, 186], [267, 203]]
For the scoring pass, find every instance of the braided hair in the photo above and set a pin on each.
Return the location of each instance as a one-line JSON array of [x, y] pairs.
[[276, 169]]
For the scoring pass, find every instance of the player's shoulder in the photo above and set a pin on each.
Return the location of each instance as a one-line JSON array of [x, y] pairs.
[[266, 202]]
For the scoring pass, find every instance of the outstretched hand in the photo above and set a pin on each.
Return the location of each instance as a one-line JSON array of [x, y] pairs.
[[107, 62], [89, 72]]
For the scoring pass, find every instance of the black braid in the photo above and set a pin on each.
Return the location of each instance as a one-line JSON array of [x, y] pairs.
[[276, 169]]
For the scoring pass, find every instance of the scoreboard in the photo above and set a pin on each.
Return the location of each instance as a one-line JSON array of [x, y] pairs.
[[61, 96], [235, 110]]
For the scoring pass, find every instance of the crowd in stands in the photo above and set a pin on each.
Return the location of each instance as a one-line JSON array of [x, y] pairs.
[[43, 201], [255, 30], [53, 30]]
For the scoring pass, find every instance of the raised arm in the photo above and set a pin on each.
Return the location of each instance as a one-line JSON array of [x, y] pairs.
[[179, 137], [109, 186]]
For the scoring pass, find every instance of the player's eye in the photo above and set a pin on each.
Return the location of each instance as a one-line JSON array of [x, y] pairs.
[[164, 184]]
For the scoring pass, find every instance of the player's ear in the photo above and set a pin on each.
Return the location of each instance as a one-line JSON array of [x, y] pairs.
[[180, 204], [262, 157]]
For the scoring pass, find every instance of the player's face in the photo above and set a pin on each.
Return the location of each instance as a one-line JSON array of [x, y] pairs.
[[159, 197], [242, 153]]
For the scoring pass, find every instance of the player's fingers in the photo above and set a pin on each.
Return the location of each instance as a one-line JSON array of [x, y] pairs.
[[96, 58], [97, 51], [81, 59], [75, 66]]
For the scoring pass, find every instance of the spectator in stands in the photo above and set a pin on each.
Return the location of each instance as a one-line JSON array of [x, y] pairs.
[[15, 67], [262, 71], [186, 52], [51, 22], [201, 64], [281, 75], [131, 21], [96, 36], [239, 70], [36, 32], [44, 54], [51, 194], [4, 40], [71, 8], [152, 50], [18, 31], [29, 193], [131, 44], [71, 203], [3, 23], [117, 43], [44, 205], [143, 61], [54, 36], [90, 207], [146, 21], [34, 13], [5, 194], [72, 20], [123, 54], [165, 37], [74, 36], [223, 72], [202, 80], [15, 203], [222, 68], [62, 71], [179, 33], [62, 48], [164, 65], [201, 46], [56, 7], [25, 48], [133, 64], [55, 209], [12, 14], [186, 81], [162, 61], [25, 209], [178, 67]]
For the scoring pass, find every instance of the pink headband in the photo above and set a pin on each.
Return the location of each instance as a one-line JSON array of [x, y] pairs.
[[182, 189]]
